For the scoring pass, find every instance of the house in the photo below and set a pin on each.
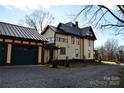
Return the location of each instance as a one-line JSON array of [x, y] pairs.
[[20, 45], [25, 46], [73, 42]]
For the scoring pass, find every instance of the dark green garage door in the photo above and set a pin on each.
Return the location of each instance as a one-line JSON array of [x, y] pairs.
[[2, 54], [24, 55]]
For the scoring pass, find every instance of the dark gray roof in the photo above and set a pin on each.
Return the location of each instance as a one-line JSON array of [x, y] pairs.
[[86, 30], [16, 31], [70, 24], [71, 28], [75, 30], [55, 29]]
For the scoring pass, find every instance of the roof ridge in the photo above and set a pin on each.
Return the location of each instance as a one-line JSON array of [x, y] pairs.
[[17, 25], [52, 26], [87, 27]]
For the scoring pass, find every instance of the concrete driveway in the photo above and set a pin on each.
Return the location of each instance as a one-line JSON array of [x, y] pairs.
[[45, 77]]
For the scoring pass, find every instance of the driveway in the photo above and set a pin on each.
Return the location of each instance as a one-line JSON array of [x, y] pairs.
[[45, 77]]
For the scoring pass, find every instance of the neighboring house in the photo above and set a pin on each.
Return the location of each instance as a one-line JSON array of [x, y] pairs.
[[20, 45], [73, 42]]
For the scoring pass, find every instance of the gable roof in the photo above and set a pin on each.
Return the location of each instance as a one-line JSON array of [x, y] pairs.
[[16, 31], [70, 28]]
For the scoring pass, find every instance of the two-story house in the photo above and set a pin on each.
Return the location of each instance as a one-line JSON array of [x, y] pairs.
[[73, 42]]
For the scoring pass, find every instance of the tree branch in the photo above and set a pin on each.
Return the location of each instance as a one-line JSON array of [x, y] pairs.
[[122, 10], [94, 16], [101, 18], [113, 25], [80, 13], [111, 13]]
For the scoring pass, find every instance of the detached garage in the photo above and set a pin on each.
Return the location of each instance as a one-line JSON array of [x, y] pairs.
[[20, 45]]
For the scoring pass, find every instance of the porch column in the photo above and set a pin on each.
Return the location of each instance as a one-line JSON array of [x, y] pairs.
[[9, 53]]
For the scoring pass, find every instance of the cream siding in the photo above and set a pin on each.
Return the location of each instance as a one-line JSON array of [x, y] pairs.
[[87, 48], [39, 54], [1, 40], [70, 48], [9, 50], [8, 40], [46, 55], [83, 47], [17, 41], [49, 33]]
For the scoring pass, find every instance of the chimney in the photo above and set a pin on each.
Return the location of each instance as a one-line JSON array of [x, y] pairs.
[[76, 23]]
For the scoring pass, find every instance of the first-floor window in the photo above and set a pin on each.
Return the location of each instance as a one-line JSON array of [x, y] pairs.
[[62, 50], [76, 53], [89, 54]]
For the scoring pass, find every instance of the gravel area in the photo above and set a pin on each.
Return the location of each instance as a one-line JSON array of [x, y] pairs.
[[45, 77]]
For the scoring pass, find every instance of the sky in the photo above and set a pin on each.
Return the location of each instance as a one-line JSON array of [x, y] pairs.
[[13, 11]]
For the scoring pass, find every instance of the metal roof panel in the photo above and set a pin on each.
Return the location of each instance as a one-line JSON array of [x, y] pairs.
[[20, 32]]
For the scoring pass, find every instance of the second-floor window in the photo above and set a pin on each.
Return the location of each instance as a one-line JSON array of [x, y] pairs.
[[78, 41], [50, 39], [72, 40], [59, 39]]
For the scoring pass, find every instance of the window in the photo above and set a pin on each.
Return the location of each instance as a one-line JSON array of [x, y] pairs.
[[50, 39], [72, 40], [76, 53], [78, 41], [61, 39], [89, 53], [66, 40], [62, 50], [57, 39]]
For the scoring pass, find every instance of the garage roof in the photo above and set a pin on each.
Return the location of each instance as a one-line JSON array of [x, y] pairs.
[[12, 30]]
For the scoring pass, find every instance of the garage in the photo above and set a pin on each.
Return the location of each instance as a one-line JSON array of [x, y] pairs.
[[2, 54], [24, 55], [20, 45]]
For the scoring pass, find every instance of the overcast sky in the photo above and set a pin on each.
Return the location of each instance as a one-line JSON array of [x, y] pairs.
[[13, 11]]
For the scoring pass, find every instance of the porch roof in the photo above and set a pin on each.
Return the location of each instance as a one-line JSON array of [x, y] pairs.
[[47, 46]]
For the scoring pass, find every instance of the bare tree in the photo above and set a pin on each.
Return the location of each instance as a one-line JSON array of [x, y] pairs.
[[109, 50], [98, 16], [39, 19]]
